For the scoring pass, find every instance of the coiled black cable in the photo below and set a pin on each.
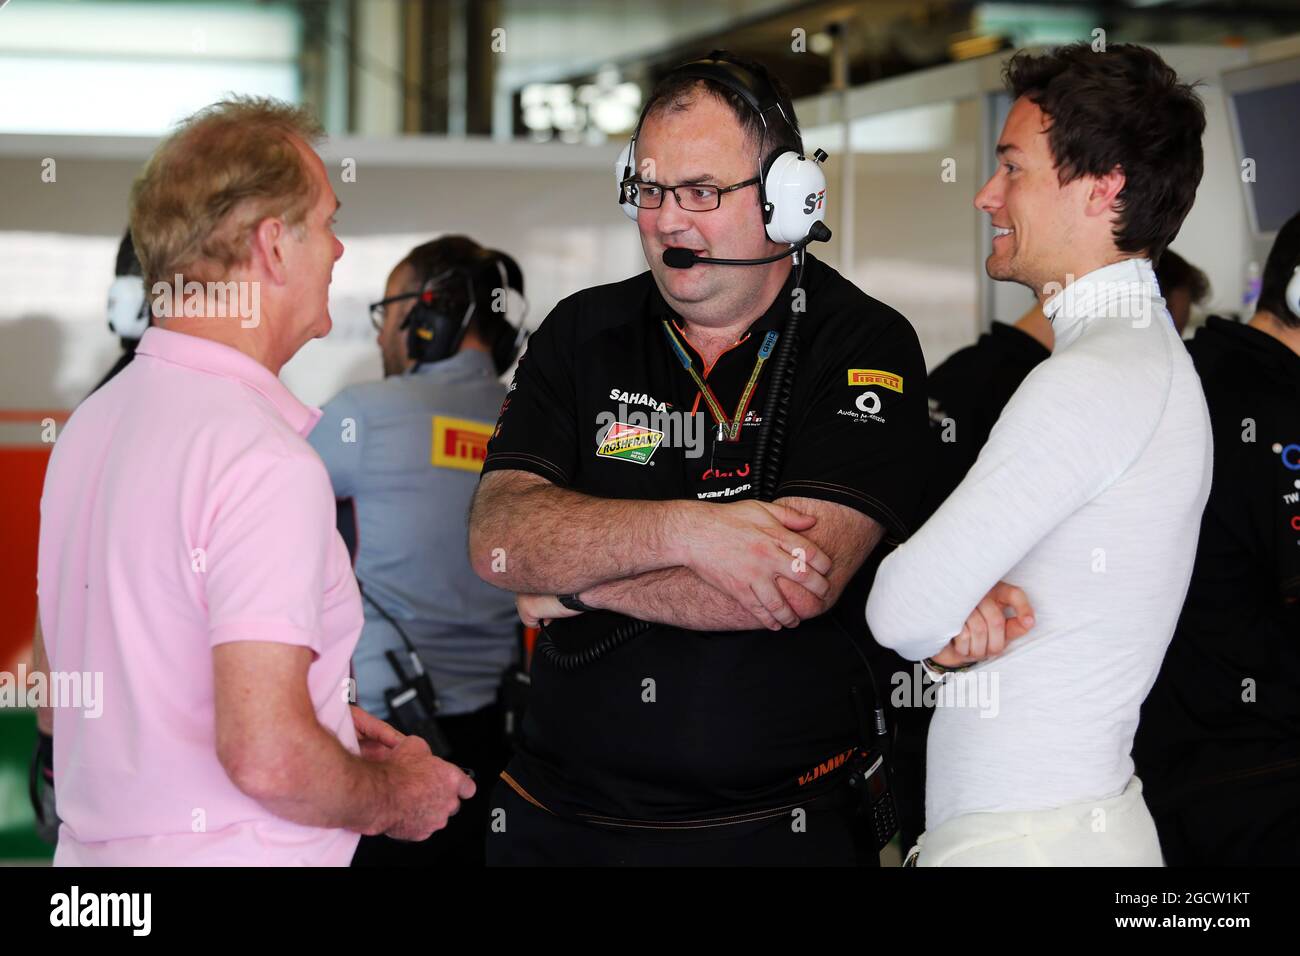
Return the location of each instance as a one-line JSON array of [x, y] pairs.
[[770, 447], [573, 660]]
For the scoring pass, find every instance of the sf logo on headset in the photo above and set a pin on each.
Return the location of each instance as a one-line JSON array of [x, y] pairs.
[[813, 201]]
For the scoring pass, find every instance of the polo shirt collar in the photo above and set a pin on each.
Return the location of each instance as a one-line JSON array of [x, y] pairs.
[[466, 362], [205, 355]]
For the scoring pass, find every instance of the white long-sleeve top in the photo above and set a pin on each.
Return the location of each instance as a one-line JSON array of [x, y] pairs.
[[1088, 496]]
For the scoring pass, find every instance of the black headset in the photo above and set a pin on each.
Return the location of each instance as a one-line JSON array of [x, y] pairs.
[[434, 328]]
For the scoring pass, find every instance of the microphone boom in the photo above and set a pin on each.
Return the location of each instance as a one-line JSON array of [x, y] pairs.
[[677, 258]]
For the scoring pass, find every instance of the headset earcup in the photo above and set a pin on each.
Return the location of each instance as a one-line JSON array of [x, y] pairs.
[[1293, 293], [796, 188], [421, 326], [127, 316], [623, 169], [415, 322], [431, 336]]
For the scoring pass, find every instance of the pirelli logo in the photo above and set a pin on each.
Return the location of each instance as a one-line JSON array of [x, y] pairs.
[[874, 376], [459, 443]]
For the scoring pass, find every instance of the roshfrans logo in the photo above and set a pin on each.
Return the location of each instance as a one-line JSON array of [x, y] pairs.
[[628, 443]]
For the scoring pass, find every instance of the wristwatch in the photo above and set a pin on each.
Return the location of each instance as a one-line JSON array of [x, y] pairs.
[[938, 672], [573, 602]]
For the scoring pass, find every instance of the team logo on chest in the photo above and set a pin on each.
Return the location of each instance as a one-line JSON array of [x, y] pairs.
[[638, 398], [626, 442], [641, 424]]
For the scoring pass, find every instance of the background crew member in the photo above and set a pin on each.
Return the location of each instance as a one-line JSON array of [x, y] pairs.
[[1088, 492], [1182, 286], [1218, 747], [407, 451], [128, 306], [698, 740]]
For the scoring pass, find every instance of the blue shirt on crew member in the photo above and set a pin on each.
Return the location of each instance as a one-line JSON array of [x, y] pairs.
[[407, 450]]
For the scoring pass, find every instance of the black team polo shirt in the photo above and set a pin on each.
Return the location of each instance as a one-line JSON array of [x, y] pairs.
[[740, 720]]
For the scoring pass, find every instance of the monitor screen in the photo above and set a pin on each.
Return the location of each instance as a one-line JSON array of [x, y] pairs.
[[1265, 107]]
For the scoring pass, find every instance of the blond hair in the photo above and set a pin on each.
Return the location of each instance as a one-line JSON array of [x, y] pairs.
[[217, 175]]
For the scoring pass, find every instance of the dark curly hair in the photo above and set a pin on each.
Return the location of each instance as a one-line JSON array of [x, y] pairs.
[[1123, 106]]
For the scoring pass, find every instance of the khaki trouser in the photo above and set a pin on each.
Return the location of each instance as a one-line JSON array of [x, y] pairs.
[[1117, 831]]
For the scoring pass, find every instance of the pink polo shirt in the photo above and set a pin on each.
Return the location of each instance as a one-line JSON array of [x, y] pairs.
[[183, 509]]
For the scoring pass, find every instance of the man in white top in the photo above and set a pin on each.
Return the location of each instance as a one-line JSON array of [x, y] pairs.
[[1085, 501]]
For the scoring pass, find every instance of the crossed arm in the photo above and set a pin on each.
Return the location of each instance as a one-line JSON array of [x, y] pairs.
[[845, 536], [696, 565]]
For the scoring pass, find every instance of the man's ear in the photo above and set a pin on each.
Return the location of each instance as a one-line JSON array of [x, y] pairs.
[[267, 248], [1104, 192]]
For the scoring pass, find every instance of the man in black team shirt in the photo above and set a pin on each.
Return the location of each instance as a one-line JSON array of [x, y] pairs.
[[1218, 746], [722, 733]]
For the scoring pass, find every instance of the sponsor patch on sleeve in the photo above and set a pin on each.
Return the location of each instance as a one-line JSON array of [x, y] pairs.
[[874, 376]]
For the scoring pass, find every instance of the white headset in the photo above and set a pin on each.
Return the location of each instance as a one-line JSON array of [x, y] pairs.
[[1293, 293], [792, 188], [128, 317]]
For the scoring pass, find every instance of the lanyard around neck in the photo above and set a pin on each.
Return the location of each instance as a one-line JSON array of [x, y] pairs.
[[730, 427]]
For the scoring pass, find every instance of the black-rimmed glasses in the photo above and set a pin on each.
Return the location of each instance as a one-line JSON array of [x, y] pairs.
[[377, 309], [692, 198]]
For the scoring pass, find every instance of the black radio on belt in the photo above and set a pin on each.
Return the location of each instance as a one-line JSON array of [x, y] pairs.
[[869, 779], [869, 772], [513, 692], [413, 703]]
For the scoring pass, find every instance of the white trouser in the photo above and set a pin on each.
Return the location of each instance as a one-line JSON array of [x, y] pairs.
[[1118, 831]]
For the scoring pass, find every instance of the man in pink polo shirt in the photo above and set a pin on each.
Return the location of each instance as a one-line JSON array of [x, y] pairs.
[[188, 551]]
